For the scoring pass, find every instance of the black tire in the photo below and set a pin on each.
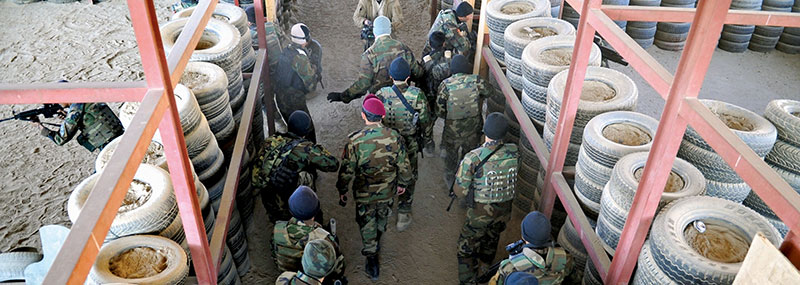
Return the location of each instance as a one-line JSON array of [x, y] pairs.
[[645, 3], [210, 81], [572, 150], [592, 170], [735, 38], [496, 37], [520, 33], [782, 4], [207, 158], [498, 52], [640, 33], [515, 80], [637, 129], [768, 31], [760, 138], [674, 28], [784, 155], [170, 252], [539, 71], [671, 37], [782, 114], [590, 274], [231, 13], [680, 261], [670, 46], [762, 46], [154, 156], [735, 192], [709, 162], [588, 194], [214, 168], [537, 92], [790, 39], [739, 29], [513, 64], [188, 109], [12, 264], [746, 4], [733, 47], [608, 230], [787, 48], [534, 109], [645, 43], [198, 139]]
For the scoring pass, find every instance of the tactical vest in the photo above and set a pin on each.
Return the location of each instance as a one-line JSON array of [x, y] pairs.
[[277, 149], [288, 252], [288, 78], [444, 17], [99, 126], [397, 116], [497, 180], [463, 100], [550, 270]]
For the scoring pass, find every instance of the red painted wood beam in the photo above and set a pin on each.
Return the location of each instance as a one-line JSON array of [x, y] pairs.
[[689, 77], [72, 92], [672, 14], [790, 247]]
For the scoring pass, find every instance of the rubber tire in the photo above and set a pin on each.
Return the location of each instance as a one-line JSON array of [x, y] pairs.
[[593, 171], [790, 39], [12, 264], [537, 92], [787, 48], [623, 183], [607, 152], [739, 29], [779, 113], [496, 37], [539, 72], [674, 28], [735, 38], [607, 230], [733, 47], [640, 33], [108, 151], [647, 271], [784, 155], [198, 140], [498, 52], [207, 158], [216, 167], [588, 194], [670, 46], [709, 162], [235, 16], [515, 39], [760, 139], [213, 87], [515, 80], [177, 261], [670, 37], [768, 31], [645, 43], [534, 109], [513, 64], [498, 21], [674, 256], [154, 215]]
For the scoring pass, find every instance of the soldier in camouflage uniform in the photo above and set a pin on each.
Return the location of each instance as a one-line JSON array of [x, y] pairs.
[[414, 125], [448, 22], [436, 64], [319, 260], [297, 77], [286, 161], [486, 179], [375, 161], [290, 237], [521, 278], [539, 256], [367, 10], [375, 62], [458, 103], [96, 122]]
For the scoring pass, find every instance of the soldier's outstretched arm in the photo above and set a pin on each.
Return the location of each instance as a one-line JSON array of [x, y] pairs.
[[464, 176], [441, 100], [347, 169], [361, 86], [68, 128], [322, 159]]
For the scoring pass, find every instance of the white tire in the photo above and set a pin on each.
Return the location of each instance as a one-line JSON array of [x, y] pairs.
[[136, 256], [784, 115], [501, 13], [153, 156], [754, 130], [544, 58], [610, 136], [520, 33]]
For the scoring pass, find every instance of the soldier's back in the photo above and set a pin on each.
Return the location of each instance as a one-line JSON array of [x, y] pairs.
[[377, 149], [380, 55]]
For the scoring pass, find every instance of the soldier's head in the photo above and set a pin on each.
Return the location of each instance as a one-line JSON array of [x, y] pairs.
[[463, 11], [299, 123], [301, 35], [536, 229], [436, 40], [372, 110], [303, 203], [319, 258], [460, 64], [521, 278], [495, 126], [381, 26], [399, 70]]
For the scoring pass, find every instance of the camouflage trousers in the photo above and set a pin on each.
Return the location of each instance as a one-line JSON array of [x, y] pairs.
[[412, 150], [371, 219], [276, 200], [458, 138], [289, 102], [479, 237]]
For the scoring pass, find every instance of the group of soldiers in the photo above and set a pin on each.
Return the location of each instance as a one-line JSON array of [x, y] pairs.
[[404, 98]]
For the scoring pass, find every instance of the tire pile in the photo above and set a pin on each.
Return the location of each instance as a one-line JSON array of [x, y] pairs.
[[784, 157], [140, 259], [606, 139], [765, 38], [501, 13], [496, 102], [569, 239], [528, 192], [736, 38], [209, 86], [570, 15], [555, 8], [678, 253], [672, 36], [721, 181], [642, 32], [617, 198], [789, 41], [235, 16]]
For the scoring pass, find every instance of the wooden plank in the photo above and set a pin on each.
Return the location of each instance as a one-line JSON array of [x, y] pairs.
[[764, 264], [483, 37], [272, 10]]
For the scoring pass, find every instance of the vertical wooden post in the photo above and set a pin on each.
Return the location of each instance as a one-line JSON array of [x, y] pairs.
[[271, 10], [479, 65]]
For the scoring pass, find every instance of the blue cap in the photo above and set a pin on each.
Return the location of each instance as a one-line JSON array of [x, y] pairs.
[[381, 26], [521, 278], [536, 229], [299, 123], [303, 204], [460, 64], [399, 69]]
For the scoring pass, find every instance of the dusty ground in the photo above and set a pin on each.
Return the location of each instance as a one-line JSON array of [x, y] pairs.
[[45, 42]]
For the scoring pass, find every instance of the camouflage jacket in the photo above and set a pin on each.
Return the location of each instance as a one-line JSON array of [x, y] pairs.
[[466, 176], [296, 278], [289, 238], [459, 97], [455, 39], [96, 122], [375, 160], [305, 155], [437, 68], [305, 70], [389, 8], [375, 61], [549, 270], [399, 118]]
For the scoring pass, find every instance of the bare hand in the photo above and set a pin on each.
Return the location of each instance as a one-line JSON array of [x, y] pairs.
[[401, 190]]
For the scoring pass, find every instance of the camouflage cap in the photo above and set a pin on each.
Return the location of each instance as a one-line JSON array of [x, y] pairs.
[[319, 258]]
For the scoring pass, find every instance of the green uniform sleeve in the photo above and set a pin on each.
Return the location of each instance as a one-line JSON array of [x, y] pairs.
[[306, 71], [459, 42], [426, 119], [69, 127], [347, 169], [322, 159], [441, 101], [483, 89], [404, 174], [463, 176], [361, 86]]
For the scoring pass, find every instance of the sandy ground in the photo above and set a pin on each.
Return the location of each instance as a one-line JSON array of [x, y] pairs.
[[45, 42]]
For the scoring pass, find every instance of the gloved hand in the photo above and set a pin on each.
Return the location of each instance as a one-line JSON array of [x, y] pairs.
[[335, 97]]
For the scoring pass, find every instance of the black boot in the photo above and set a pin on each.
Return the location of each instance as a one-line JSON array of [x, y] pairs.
[[372, 267]]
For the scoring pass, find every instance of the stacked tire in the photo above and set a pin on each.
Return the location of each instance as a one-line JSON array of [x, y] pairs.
[[497, 101], [643, 32], [228, 274], [502, 13], [606, 139], [721, 181], [736, 38], [528, 191], [765, 38], [555, 8], [140, 259], [519, 34], [672, 36], [678, 253], [209, 86], [789, 41], [542, 59], [570, 15], [621, 24], [617, 198], [236, 17], [570, 241], [784, 157]]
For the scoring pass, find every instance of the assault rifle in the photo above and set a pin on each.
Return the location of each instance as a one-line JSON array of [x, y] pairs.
[[48, 111], [452, 196], [608, 53], [367, 35], [513, 248], [316, 58]]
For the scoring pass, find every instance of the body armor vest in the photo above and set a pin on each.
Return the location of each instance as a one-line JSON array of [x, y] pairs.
[[288, 252], [463, 100], [497, 180], [397, 116], [99, 126]]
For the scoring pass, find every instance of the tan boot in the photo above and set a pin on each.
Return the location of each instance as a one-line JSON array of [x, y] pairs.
[[403, 221]]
